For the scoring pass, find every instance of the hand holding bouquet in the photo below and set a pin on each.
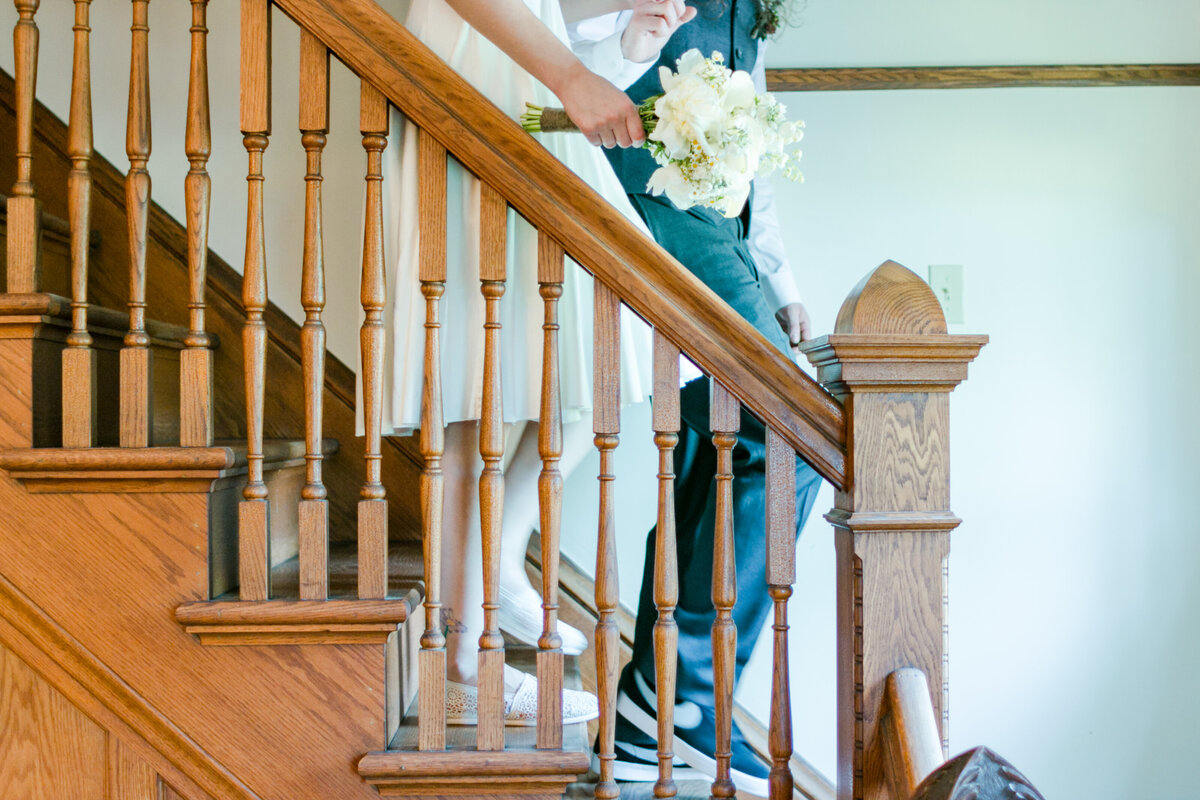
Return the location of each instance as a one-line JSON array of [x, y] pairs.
[[709, 131]]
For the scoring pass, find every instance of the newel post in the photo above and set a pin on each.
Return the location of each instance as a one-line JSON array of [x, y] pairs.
[[892, 364]]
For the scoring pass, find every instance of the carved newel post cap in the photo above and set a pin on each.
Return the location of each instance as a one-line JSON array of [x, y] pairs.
[[891, 299], [890, 336]]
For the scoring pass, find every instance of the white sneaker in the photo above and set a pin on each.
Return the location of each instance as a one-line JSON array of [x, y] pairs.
[[523, 621], [520, 708]]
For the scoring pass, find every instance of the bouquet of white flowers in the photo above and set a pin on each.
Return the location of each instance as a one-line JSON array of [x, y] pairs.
[[709, 131]]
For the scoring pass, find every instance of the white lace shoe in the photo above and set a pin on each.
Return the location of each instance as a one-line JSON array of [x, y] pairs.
[[520, 708], [522, 620]]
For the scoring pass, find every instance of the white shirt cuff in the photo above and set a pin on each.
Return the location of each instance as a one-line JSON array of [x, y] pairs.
[[781, 288], [604, 55]]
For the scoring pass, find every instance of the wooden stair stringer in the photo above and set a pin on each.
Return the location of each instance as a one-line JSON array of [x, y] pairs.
[[101, 694], [110, 569]]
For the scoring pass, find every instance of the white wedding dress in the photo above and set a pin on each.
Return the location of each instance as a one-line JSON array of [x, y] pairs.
[[509, 87]]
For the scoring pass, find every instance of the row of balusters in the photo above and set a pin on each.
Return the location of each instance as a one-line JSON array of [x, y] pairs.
[[79, 357], [196, 402]]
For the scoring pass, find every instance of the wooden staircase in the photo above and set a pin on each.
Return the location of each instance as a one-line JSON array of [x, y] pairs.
[[215, 590]]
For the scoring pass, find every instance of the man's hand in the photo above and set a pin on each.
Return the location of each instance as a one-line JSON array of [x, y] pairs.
[[604, 114], [793, 318], [652, 24]]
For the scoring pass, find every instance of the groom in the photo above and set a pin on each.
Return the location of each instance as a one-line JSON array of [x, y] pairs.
[[742, 260]]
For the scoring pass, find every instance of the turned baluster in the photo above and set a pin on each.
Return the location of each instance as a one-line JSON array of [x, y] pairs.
[[254, 556], [781, 574], [372, 508], [314, 507], [195, 362], [136, 359], [724, 418], [606, 423], [24, 209], [431, 168], [79, 359], [493, 213], [550, 489], [666, 562]]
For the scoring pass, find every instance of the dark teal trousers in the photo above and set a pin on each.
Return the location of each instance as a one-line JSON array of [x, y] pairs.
[[715, 250]]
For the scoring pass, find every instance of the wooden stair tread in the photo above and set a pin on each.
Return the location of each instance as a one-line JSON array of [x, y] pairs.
[[101, 320], [224, 456], [403, 765], [285, 619]]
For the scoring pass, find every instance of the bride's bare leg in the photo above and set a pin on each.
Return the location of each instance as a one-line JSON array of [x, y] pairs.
[[462, 552], [521, 513]]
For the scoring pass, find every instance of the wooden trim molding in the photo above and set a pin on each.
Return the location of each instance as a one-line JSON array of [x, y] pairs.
[[853, 79], [103, 696], [145, 469], [277, 622]]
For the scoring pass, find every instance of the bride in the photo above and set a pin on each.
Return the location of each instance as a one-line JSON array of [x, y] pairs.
[[513, 51]]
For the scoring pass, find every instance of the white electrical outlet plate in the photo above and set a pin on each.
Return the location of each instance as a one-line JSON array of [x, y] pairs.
[[946, 280]]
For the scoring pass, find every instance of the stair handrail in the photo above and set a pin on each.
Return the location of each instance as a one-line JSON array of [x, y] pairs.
[[541, 188]]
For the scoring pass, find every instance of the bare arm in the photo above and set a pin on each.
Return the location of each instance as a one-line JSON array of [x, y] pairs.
[[575, 10], [603, 112]]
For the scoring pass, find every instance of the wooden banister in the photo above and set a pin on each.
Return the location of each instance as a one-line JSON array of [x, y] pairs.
[[912, 745], [544, 191]]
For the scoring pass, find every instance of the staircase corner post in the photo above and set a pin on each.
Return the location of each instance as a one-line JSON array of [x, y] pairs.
[[892, 364]]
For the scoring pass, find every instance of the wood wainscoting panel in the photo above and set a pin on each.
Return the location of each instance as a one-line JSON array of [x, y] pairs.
[[99, 588], [48, 748]]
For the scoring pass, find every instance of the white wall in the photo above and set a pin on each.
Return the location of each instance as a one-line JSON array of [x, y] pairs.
[[1074, 609], [1074, 599]]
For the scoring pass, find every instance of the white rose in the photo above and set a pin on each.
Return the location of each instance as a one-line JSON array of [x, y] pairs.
[[669, 180]]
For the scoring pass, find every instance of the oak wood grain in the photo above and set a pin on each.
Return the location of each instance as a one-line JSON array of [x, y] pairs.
[[666, 560], [985, 77], [606, 422], [493, 223], [781, 574], [314, 507], [24, 211], [551, 267], [724, 418], [372, 508], [137, 412], [894, 364], [431, 164], [49, 748], [129, 777], [911, 741], [195, 372], [79, 363]]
